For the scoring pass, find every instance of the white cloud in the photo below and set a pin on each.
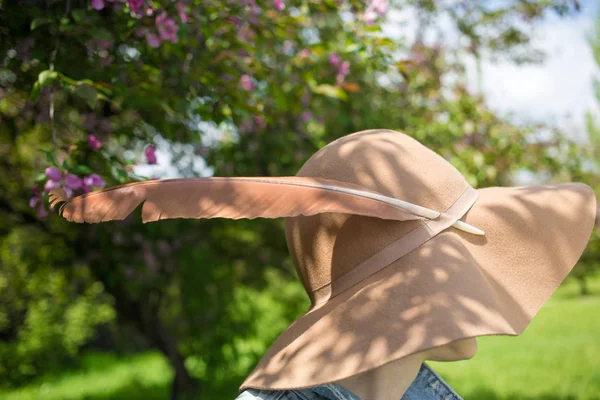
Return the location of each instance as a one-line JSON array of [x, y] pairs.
[[558, 91]]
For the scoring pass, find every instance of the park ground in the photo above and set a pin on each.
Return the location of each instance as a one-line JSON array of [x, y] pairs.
[[556, 358]]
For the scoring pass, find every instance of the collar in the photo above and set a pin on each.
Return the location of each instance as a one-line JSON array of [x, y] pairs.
[[428, 385]]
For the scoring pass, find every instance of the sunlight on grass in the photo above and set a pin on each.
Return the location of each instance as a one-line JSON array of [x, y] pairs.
[[104, 376]]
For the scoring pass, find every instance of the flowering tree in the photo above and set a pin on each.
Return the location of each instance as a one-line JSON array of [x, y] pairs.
[[89, 90]]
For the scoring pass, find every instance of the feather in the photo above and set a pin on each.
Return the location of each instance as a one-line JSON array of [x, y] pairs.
[[234, 198]]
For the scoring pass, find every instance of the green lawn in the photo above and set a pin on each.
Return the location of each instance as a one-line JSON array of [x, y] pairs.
[[103, 377], [557, 357]]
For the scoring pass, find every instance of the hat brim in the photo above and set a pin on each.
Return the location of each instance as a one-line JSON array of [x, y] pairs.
[[455, 286]]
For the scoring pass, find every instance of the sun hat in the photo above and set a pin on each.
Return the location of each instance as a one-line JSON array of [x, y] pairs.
[[397, 252]]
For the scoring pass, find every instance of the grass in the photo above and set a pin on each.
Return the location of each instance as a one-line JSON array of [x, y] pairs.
[[104, 376], [556, 358]]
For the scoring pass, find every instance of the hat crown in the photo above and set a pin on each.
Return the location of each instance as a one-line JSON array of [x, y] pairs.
[[326, 246]]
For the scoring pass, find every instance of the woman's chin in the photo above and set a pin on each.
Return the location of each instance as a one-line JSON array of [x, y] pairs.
[[463, 349]]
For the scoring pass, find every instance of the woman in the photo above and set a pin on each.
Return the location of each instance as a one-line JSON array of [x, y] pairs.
[[402, 259], [407, 378]]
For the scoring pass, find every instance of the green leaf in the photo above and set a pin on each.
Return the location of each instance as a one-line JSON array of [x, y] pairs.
[[67, 80], [47, 77], [122, 175], [330, 91], [37, 22], [35, 91], [78, 14], [41, 177], [82, 170], [101, 33], [87, 93], [50, 158]]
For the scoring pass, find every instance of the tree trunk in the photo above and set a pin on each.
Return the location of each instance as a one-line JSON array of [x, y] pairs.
[[182, 383], [144, 316], [583, 288]]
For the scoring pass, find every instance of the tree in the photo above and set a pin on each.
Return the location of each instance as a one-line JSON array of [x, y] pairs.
[[587, 169]]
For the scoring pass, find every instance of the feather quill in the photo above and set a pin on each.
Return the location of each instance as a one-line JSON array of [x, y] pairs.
[[233, 198]]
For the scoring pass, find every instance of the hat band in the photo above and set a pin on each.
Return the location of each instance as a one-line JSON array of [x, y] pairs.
[[397, 249]]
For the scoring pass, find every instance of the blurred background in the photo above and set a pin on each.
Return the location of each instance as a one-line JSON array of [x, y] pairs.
[[102, 92]]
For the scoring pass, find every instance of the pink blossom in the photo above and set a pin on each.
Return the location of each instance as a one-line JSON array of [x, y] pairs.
[[334, 59], [246, 33], [343, 71], [98, 4], [279, 4], [259, 121], [235, 21], [246, 83], [94, 143], [136, 5], [304, 53], [41, 210], [50, 184], [369, 16], [53, 173], [380, 6], [150, 154], [36, 196], [73, 181], [306, 116], [375, 9], [182, 10], [94, 180], [153, 40], [167, 28], [344, 68], [68, 191]]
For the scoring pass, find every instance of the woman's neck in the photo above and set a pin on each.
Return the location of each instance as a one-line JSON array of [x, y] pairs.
[[387, 382]]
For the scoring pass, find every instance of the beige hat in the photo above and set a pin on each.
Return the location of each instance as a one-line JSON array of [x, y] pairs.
[[386, 236]]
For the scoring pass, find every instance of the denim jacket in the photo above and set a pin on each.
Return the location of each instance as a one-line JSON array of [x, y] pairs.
[[428, 385]]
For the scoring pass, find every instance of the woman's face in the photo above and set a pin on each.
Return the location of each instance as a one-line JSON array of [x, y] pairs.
[[462, 349]]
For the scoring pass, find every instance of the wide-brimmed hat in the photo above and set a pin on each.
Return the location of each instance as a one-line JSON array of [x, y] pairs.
[[397, 252]]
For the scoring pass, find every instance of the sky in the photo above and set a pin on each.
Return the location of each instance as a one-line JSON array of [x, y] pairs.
[[559, 91]]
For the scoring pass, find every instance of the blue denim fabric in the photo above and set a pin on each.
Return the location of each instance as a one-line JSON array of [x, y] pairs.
[[428, 385]]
